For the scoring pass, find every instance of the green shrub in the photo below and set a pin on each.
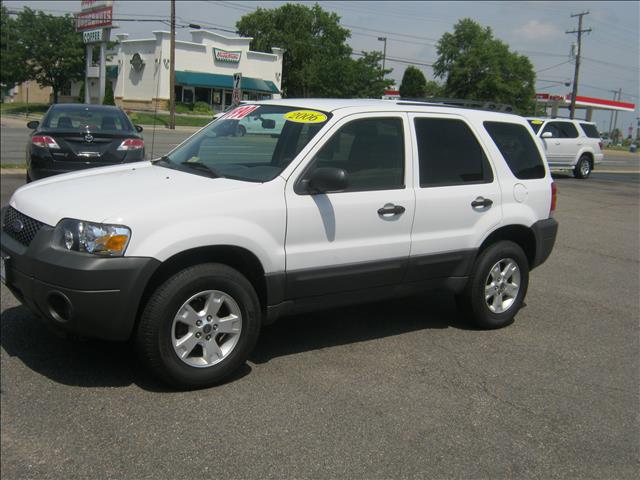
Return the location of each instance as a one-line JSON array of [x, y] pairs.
[[184, 107], [108, 95], [202, 107]]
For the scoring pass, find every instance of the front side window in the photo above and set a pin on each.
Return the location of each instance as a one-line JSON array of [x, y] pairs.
[[250, 143], [370, 150], [517, 148], [561, 129], [449, 153]]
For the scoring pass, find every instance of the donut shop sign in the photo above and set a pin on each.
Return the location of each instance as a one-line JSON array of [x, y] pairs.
[[226, 56]]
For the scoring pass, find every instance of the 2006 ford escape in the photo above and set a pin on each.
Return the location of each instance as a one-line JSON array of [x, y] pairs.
[[342, 201]]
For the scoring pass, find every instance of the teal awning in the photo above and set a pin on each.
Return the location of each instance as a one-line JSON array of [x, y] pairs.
[[213, 80]]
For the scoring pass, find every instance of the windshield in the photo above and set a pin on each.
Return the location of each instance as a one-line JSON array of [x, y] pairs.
[[87, 118], [535, 124], [251, 142]]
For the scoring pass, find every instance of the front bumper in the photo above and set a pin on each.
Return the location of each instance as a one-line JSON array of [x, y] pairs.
[[80, 293]]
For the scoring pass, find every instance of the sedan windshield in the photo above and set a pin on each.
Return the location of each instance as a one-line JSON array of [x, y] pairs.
[[252, 143]]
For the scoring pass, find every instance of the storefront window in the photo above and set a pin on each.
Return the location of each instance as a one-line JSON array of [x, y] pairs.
[[203, 95]]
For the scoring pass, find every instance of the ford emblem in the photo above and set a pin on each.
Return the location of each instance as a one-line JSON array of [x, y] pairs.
[[16, 226], [88, 138]]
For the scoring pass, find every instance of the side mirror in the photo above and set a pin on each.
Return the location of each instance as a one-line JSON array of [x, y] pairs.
[[327, 180], [138, 128], [33, 124], [268, 124], [547, 135]]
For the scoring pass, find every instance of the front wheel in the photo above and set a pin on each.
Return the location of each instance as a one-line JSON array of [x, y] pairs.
[[583, 168], [199, 326], [497, 287]]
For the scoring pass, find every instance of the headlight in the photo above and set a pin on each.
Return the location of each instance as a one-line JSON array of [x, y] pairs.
[[89, 237]]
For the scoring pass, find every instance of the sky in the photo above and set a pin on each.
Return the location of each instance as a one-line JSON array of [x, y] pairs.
[[610, 53]]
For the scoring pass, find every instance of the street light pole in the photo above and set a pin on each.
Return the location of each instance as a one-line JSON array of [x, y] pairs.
[[384, 53]]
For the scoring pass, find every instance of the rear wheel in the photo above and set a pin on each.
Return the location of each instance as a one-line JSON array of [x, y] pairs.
[[498, 285], [583, 168], [241, 131], [199, 326]]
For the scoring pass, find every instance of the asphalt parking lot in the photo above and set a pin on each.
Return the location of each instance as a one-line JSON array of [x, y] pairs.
[[401, 389]]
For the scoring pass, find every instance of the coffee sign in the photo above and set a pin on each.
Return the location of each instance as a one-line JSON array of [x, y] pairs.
[[226, 56]]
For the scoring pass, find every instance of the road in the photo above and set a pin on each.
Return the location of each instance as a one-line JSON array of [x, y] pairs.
[[400, 389]]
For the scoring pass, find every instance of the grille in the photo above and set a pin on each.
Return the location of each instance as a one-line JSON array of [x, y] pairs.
[[28, 231]]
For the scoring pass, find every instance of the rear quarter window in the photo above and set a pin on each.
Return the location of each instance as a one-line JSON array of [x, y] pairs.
[[518, 148], [590, 130]]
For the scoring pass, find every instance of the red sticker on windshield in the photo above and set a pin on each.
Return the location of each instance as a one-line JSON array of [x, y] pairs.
[[240, 112]]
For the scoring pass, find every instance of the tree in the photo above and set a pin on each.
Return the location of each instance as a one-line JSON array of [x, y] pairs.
[[50, 48], [108, 95], [317, 60], [13, 69], [413, 84], [475, 65]]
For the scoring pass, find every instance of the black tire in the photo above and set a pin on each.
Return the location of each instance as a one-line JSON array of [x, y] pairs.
[[583, 168], [154, 337], [472, 302], [241, 131]]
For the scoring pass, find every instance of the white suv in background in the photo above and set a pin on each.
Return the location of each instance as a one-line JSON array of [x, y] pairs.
[[569, 144], [345, 201]]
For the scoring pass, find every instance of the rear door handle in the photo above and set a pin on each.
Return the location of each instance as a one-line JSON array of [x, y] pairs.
[[391, 209], [482, 202]]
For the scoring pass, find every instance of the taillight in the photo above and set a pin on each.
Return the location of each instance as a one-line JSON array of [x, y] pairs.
[[44, 141], [554, 198], [131, 144], [600, 145]]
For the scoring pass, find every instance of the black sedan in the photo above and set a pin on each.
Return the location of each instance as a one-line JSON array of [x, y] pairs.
[[78, 136]]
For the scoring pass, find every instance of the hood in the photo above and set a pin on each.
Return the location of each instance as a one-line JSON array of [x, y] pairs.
[[112, 193]]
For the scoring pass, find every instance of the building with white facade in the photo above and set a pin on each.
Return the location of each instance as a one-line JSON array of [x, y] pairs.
[[139, 71]]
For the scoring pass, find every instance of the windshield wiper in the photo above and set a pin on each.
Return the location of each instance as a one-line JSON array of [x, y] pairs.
[[202, 167]]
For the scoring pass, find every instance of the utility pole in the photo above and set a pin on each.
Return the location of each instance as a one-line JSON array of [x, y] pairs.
[[384, 53], [615, 115], [580, 31], [615, 93], [172, 69]]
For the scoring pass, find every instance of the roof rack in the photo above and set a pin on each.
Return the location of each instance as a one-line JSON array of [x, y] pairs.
[[458, 103]]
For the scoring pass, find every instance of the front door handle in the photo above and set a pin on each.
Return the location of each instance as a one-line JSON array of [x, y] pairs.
[[482, 202], [391, 209]]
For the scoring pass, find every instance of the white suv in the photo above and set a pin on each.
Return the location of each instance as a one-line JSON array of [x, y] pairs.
[[570, 144], [345, 201]]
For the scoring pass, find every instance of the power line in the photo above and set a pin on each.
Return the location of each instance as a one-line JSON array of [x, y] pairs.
[[553, 66]]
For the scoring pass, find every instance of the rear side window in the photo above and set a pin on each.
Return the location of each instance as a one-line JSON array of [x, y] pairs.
[[449, 153], [590, 130], [518, 149]]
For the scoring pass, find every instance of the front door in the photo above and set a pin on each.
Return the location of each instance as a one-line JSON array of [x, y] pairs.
[[562, 148], [360, 237]]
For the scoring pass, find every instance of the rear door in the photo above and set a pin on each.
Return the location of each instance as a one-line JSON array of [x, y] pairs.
[[351, 240], [458, 198]]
